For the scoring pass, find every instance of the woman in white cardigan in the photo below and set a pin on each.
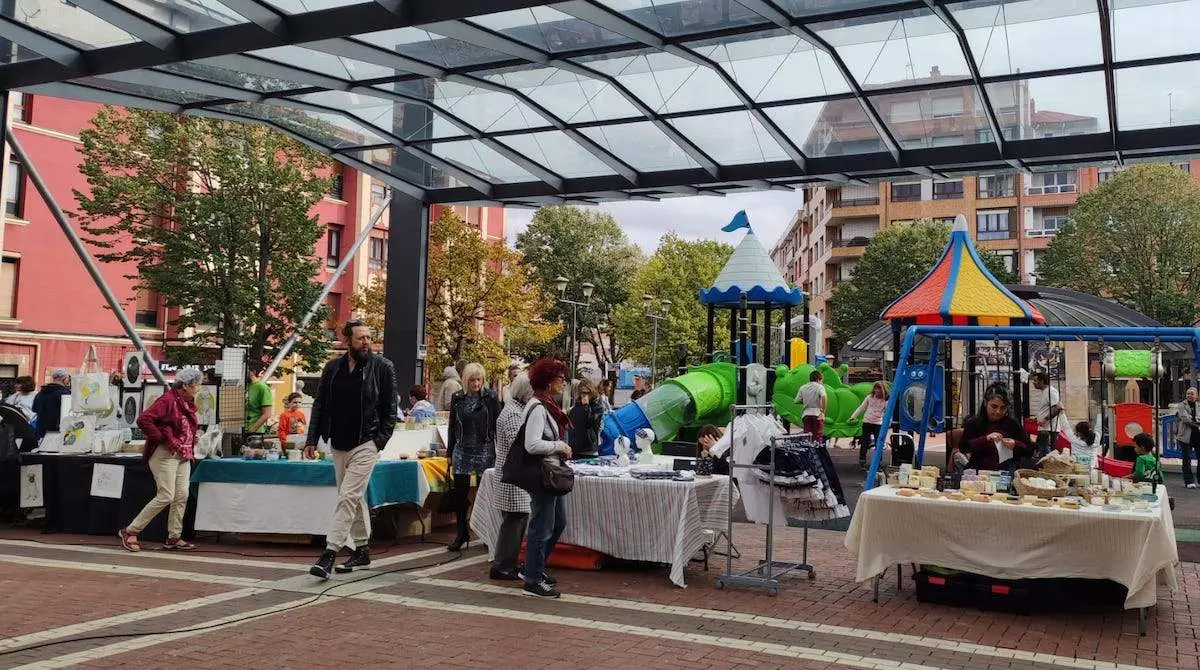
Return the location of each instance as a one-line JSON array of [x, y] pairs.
[[545, 435], [511, 502]]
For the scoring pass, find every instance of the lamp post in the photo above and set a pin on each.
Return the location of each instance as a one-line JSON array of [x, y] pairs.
[[561, 284], [655, 316]]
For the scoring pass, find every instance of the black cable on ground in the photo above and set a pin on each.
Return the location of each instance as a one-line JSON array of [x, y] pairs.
[[193, 629]]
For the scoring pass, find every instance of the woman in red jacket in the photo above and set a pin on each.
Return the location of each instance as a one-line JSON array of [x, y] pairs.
[[171, 429], [993, 439]]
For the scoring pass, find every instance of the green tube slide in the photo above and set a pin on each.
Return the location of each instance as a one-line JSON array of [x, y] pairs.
[[704, 393]]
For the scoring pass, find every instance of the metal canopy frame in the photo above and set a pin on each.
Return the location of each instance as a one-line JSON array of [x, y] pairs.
[[478, 45]]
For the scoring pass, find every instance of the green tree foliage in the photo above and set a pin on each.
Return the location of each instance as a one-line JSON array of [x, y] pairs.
[[1136, 239], [216, 217], [583, 245], [677, 271], [898, 257]]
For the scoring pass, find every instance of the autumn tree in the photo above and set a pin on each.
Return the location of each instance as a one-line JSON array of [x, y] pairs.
[[473, 284], [216, 217], [898, 257], [1136, 239], [583, 245], [677, 271]]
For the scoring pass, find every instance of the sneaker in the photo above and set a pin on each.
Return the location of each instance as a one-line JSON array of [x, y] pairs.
[[549, 579], [505, 576], [324, 565], [541, 590], [359, 560], [1191, 486], [129, 540]]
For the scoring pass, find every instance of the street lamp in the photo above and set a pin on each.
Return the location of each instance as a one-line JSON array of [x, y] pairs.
[[560, 283], [655, 316]]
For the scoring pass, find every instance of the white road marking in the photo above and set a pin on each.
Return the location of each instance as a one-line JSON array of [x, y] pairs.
[[137, 571], [174, 556]]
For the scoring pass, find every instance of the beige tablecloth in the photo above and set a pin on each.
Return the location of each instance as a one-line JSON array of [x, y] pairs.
[[1135, 549], [636, 520]]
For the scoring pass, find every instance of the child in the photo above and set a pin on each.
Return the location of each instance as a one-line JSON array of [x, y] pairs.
[[1146, 468], [292, 421]]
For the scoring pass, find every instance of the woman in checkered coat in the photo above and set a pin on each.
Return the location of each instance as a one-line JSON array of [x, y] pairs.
[[512, 502]]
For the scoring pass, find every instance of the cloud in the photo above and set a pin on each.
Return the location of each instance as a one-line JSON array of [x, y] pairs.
[[698, 217]]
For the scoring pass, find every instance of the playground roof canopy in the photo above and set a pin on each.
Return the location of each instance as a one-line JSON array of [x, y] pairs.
[[526, 102], [750, 272]]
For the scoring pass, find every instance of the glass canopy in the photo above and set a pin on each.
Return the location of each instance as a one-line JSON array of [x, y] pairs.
[[517, 101]]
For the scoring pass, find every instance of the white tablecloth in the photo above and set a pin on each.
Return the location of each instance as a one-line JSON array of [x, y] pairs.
[[271, 508], [636, 520], [1135, 549]]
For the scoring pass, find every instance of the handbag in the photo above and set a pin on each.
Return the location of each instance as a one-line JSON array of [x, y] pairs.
[[535, 474]]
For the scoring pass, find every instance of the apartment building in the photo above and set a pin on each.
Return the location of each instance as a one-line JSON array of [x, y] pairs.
[[1014, 215], [50, 310]]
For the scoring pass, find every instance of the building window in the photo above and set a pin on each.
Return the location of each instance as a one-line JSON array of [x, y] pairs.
[[1009, 259], [992, 225], [906, 192], [8, 288], [333, 302], [1184, 167], [1049, 221], [22, 110], [337, 183], [1053, 182], [947, 106], [997, 186], [14, 190], [378, 194], [146, 314], [377, 257], [947, 190], [333, 247]]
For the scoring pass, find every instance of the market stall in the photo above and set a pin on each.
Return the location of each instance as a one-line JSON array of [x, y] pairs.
[[659, 521], [292, 497]]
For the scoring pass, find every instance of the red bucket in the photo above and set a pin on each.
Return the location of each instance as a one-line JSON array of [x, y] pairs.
[[1115, 468], [1031, 426]]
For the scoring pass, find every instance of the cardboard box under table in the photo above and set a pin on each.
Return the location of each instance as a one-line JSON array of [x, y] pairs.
[[235, 495]]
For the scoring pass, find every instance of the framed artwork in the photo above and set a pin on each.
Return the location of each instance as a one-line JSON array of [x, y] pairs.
[[206, 405], [132, 368], [131, 406], [150, 393]]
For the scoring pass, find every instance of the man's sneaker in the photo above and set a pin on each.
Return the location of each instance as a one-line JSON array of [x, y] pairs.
[[504, 576], [1191, 486], [541, 590], [546, 577], [360, 560], [324, 565]]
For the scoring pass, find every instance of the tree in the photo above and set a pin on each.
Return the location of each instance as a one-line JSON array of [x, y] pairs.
[[472, 284], [216, 218], [898, 257], [677, 271], [1136, 238], [583, 245]]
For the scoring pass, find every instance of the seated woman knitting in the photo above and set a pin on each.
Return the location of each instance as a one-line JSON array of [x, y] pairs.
[[993, 439]]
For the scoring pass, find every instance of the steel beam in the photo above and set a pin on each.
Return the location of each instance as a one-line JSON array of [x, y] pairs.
[[81, 251], [976, 79], [131, 22], [1110, 88], [57, 51]]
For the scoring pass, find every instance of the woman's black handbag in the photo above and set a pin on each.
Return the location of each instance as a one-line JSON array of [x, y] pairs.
[[534, 474]]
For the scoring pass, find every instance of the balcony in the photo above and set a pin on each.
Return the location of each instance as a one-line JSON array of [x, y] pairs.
[[853, 247], [855, 202]]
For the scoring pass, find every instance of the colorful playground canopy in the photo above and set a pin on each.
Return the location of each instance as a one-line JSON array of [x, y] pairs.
[[960, 291]]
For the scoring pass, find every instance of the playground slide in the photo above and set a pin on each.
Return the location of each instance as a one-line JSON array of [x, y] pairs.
[[704, 395]]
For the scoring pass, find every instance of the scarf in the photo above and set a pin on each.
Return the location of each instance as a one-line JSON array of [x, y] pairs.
[[560, 417]]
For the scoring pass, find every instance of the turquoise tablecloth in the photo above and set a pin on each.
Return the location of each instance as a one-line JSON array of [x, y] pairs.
[[392, 482]]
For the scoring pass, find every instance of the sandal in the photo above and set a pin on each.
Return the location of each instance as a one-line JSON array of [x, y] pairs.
[[178, 544], [129, 540]]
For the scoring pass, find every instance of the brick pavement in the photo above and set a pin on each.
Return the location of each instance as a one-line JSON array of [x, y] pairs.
[[454, 617]]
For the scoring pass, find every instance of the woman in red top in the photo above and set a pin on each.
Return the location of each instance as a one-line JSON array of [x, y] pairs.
[[991, 426], [171, 428]]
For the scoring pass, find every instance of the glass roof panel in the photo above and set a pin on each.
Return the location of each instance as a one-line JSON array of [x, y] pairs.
[[667, 83], [571, 97], [558, 152], [485, 110], [939, 118], [1152, 28], [685, 17], [1012, 36], [179, 97], [832, 128], [642, 145], [732, 138], [549, 29], [804, 8], [324, 63], [1158, 96], [406, 166], [65, 22], [776, 65], [407, 120], [434, 49], [911, 47], [209, 70], [185, 16], [326, 128], [301, 6], [482, 160], [1056, 106]]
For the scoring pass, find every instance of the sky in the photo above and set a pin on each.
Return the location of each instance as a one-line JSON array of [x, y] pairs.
[[698, 217]]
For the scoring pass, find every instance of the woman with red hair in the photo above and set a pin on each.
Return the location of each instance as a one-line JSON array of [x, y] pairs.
[[545, 435]]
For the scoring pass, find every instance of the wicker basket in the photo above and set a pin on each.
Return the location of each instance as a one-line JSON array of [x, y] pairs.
[[1027, 490], [1053, 466]]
